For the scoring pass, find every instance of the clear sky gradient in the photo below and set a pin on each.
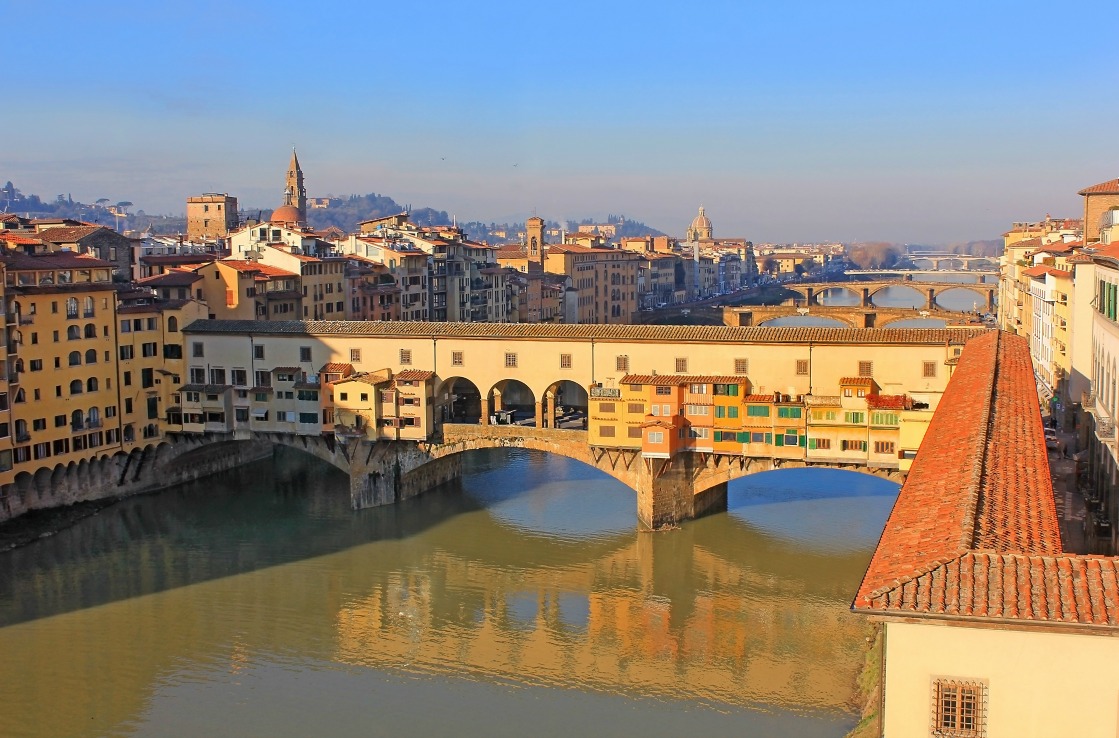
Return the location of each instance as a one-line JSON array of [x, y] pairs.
[[908, 122]]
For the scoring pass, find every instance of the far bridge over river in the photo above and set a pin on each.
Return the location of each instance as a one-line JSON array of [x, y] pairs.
[[866, 291]]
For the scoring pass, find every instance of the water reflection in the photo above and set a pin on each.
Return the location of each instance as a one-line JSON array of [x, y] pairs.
[[219, 608]]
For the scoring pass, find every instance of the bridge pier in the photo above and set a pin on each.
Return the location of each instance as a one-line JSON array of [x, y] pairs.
[[866, 298], [385, 472], [930, 303], [666, 493]]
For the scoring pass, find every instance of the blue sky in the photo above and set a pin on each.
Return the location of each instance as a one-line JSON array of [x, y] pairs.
[[789, 121]]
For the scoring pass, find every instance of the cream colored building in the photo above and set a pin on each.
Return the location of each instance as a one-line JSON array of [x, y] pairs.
[[989, 628]]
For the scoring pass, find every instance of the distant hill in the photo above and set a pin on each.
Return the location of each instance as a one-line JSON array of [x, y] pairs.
[[507, 232]]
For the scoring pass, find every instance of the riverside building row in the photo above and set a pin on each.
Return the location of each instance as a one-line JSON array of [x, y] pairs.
[[1058, 290]]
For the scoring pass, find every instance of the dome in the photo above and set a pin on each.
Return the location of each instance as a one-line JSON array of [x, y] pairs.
[[701, 221], [285, 214]]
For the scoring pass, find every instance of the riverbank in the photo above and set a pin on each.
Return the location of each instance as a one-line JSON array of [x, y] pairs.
[[869, 686]]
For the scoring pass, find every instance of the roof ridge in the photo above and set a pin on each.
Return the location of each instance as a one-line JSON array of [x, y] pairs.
[[976, 498]]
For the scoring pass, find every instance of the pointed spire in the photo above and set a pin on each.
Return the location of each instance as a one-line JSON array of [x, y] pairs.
[[294, 166]]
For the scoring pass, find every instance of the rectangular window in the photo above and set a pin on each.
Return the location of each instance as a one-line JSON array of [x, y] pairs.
[[258, 352], [698, 410], [606, 431], [565, 361], [697, 389], [217, 375], [634, 431], [196, 349], [883, 447], [802, 367], [788, 412], [621, 363], [656, 437], [928, 369], [606, 407], [741, 366], [147, 378], [355, 356], [681, 365], [405, 357], [819, 443], [149, 349], [240, 377], [127, 352], [635, 407], [510, 360], [866, 368], [883, 418], [757, 411], [456, 358], [730, 390], [304, 353], [858, 418], [959, 709], [664, 390]]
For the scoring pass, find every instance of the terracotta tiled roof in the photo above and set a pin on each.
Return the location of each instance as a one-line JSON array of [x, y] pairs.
[[285, 368], [410, 375], [604, 333], [888, 402], [69, 234], [1079, 259], [682, 379], [974, 531], [1110, 187], [12, 238], [1059, 247], [1042, 269], [758, 398], [336, 367], [857, 381]]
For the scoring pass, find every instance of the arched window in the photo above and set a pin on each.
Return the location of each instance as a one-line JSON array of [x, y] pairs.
[[90, 330], [129, 433], [91, 356], [73, 333], [75, 358], [76, 387], [172, 324], [76, 420], [19, 366], [89, 307], [72, 307], [91, 384], [94, 417], [21, 430]]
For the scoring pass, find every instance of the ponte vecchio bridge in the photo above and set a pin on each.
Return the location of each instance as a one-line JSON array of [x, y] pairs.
[[535, 369]]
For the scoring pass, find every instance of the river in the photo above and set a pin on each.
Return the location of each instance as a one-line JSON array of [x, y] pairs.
[[521, 601]]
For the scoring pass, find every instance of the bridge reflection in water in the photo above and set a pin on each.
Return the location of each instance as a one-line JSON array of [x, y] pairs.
[[218, 587]]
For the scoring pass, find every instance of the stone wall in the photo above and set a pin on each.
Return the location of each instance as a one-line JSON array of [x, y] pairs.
[[122, 475]]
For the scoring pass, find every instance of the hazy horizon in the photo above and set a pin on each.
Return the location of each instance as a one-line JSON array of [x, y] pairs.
[[788, 123]]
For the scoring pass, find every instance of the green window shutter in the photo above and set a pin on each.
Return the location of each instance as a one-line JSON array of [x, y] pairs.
[[733, 390], [779, 440], [743, 437], [769, 438], [720, 412], [732, 412], [802, 441], [811, 444]]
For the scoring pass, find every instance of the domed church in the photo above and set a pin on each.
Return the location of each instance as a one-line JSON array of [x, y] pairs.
[[294, 209], [701, 227]]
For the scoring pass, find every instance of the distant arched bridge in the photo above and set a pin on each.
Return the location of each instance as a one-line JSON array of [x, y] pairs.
[[865, 291]]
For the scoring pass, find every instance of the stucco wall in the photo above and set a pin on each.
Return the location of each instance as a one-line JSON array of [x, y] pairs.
[[1040, 684]]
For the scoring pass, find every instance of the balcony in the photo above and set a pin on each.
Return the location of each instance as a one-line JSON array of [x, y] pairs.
[[22, 437]]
